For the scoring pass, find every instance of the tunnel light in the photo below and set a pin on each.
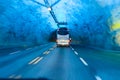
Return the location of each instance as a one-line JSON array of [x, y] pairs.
[[49, 9], [116, 25]]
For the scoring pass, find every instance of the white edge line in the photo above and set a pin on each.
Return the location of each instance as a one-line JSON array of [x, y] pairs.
[[48, 52], [83, 61], [11, 76], [45, 52], [38, 60], [18, 77], [28, 48], [76, 53], [33, 60], [51, 49], [14, 52], [98, 77], [72, 48]]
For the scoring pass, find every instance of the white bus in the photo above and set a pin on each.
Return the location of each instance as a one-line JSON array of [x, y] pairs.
[[63, 37]]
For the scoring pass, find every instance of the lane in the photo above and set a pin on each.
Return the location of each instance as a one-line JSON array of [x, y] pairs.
[[11, 50], [6, 51], [104, 65], [20, 61], [60, 64], [19, 54], [15, 52]]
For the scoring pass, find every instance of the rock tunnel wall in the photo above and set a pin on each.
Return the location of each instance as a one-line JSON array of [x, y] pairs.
[[22, 23], [91, 22], [96, 22]]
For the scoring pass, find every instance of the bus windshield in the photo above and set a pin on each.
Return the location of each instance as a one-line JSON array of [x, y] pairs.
[[63, 32]]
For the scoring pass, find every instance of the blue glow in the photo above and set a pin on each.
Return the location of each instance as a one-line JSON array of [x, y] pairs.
[[90, 21]]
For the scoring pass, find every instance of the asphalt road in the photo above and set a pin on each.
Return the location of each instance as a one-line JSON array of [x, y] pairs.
[[49, 62]]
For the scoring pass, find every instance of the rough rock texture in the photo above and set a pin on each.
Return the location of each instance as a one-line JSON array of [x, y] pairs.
[[91, 22]]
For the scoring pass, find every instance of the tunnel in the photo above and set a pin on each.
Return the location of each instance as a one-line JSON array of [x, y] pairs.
[[28, 48]]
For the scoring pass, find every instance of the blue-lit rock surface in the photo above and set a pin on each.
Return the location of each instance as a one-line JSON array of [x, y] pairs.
[[91, 22], [22, 23]]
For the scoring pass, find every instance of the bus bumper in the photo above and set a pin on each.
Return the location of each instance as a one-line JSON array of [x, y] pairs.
[[63, 43]]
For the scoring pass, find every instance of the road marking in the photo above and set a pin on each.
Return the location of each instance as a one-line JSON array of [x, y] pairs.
[[34, 60], [76, 53], [72, 49], [15, 52], [15, 77], [83, 61], [51, 49], [46, 52], [11, 76], [98, 77], [54, 46], [28, 48], [18, 77], [38, 60]]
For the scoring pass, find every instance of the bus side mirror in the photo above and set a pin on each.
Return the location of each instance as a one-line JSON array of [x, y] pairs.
[[70, 39]]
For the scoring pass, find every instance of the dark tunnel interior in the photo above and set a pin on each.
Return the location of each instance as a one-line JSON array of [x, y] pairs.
[[60, 39], [91, 22]]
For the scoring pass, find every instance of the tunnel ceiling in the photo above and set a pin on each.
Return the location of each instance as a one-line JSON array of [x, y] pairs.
[[90, 22]]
